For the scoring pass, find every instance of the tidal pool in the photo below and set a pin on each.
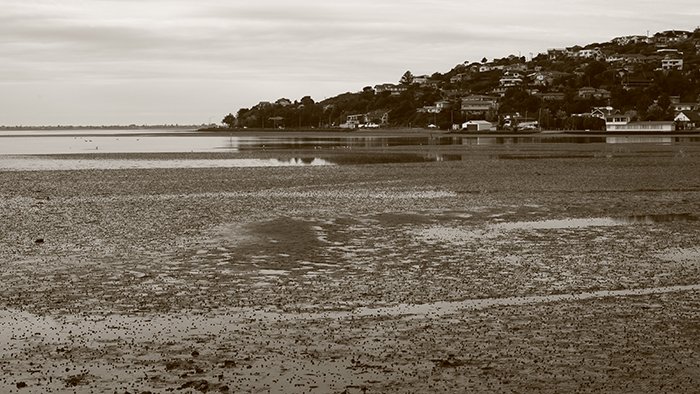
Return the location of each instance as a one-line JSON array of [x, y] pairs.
[[594, 222]]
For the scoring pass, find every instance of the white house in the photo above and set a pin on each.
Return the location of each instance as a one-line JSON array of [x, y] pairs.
[[643, 127], [478, 125], [479, 104], [594, 53], [672, 64], [390, 87], [629, 40], [420, 79], [352, 121], [510, 81], [613, 122]]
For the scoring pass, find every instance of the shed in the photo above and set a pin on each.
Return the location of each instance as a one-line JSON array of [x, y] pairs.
[[643, 127], [478, 125]]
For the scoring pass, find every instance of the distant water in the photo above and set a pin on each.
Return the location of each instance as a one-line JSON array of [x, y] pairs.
[[79, 141], [34, 163]]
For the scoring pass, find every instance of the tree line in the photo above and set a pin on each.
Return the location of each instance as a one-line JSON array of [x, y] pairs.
[[650, 100]]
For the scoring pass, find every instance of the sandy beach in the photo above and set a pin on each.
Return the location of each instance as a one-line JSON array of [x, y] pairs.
[[532, 267]]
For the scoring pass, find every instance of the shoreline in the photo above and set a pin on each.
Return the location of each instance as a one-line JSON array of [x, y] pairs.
[[331, 133], [231, 279]]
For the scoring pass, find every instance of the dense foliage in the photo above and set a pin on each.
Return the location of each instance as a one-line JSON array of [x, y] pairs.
[[624, 75]]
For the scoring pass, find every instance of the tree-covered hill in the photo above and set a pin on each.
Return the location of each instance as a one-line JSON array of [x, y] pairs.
[[645, 77]]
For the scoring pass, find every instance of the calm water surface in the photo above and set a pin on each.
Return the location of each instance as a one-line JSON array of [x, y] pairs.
[[33, 142], [18, 149]]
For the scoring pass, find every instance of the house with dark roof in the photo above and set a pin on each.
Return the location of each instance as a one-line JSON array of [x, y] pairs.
[[478, 104], [589, 92], [687, 120], [551, 96], [671, 37], [678, 107]]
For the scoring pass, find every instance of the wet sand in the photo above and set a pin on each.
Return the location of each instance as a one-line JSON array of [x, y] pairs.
[[537, 268]]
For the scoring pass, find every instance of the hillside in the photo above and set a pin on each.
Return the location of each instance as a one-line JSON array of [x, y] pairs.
[[645, 78]]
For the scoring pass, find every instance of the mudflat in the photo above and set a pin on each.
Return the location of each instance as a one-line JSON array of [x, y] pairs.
[[502, 268]]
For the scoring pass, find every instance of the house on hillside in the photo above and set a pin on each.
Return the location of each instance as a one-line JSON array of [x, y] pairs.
[[420, 79], [517, 67], [588, 92], [603, 112], [284, 102], [558, 53], [461, 77], [490, 67], [631, 58], [551, 96], [679, 107], [672, 63], [669, 37], [629, 40], [687, 120], [511, 79], [593, 53], [669, 51], [438, 107], [478, 104], [544, 78], [390, 87]]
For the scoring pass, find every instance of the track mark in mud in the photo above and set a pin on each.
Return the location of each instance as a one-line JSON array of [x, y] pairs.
[[447, 307]]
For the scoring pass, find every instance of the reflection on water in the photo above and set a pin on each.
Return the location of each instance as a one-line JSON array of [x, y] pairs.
[[532, 140], [641, 140], [92, 132], [12, 163], [39, 145], [152, 141], [49, 163]]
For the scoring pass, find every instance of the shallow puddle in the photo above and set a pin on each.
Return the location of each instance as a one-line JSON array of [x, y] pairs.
[[557, 224], [448, 308], [465, 233], [681, 255], [595, 222], [17, 325]]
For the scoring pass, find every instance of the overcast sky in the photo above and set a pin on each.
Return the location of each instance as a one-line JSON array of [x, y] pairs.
[[193, 61]]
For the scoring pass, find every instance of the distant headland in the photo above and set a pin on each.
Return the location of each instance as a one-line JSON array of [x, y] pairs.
[[629, 84]]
